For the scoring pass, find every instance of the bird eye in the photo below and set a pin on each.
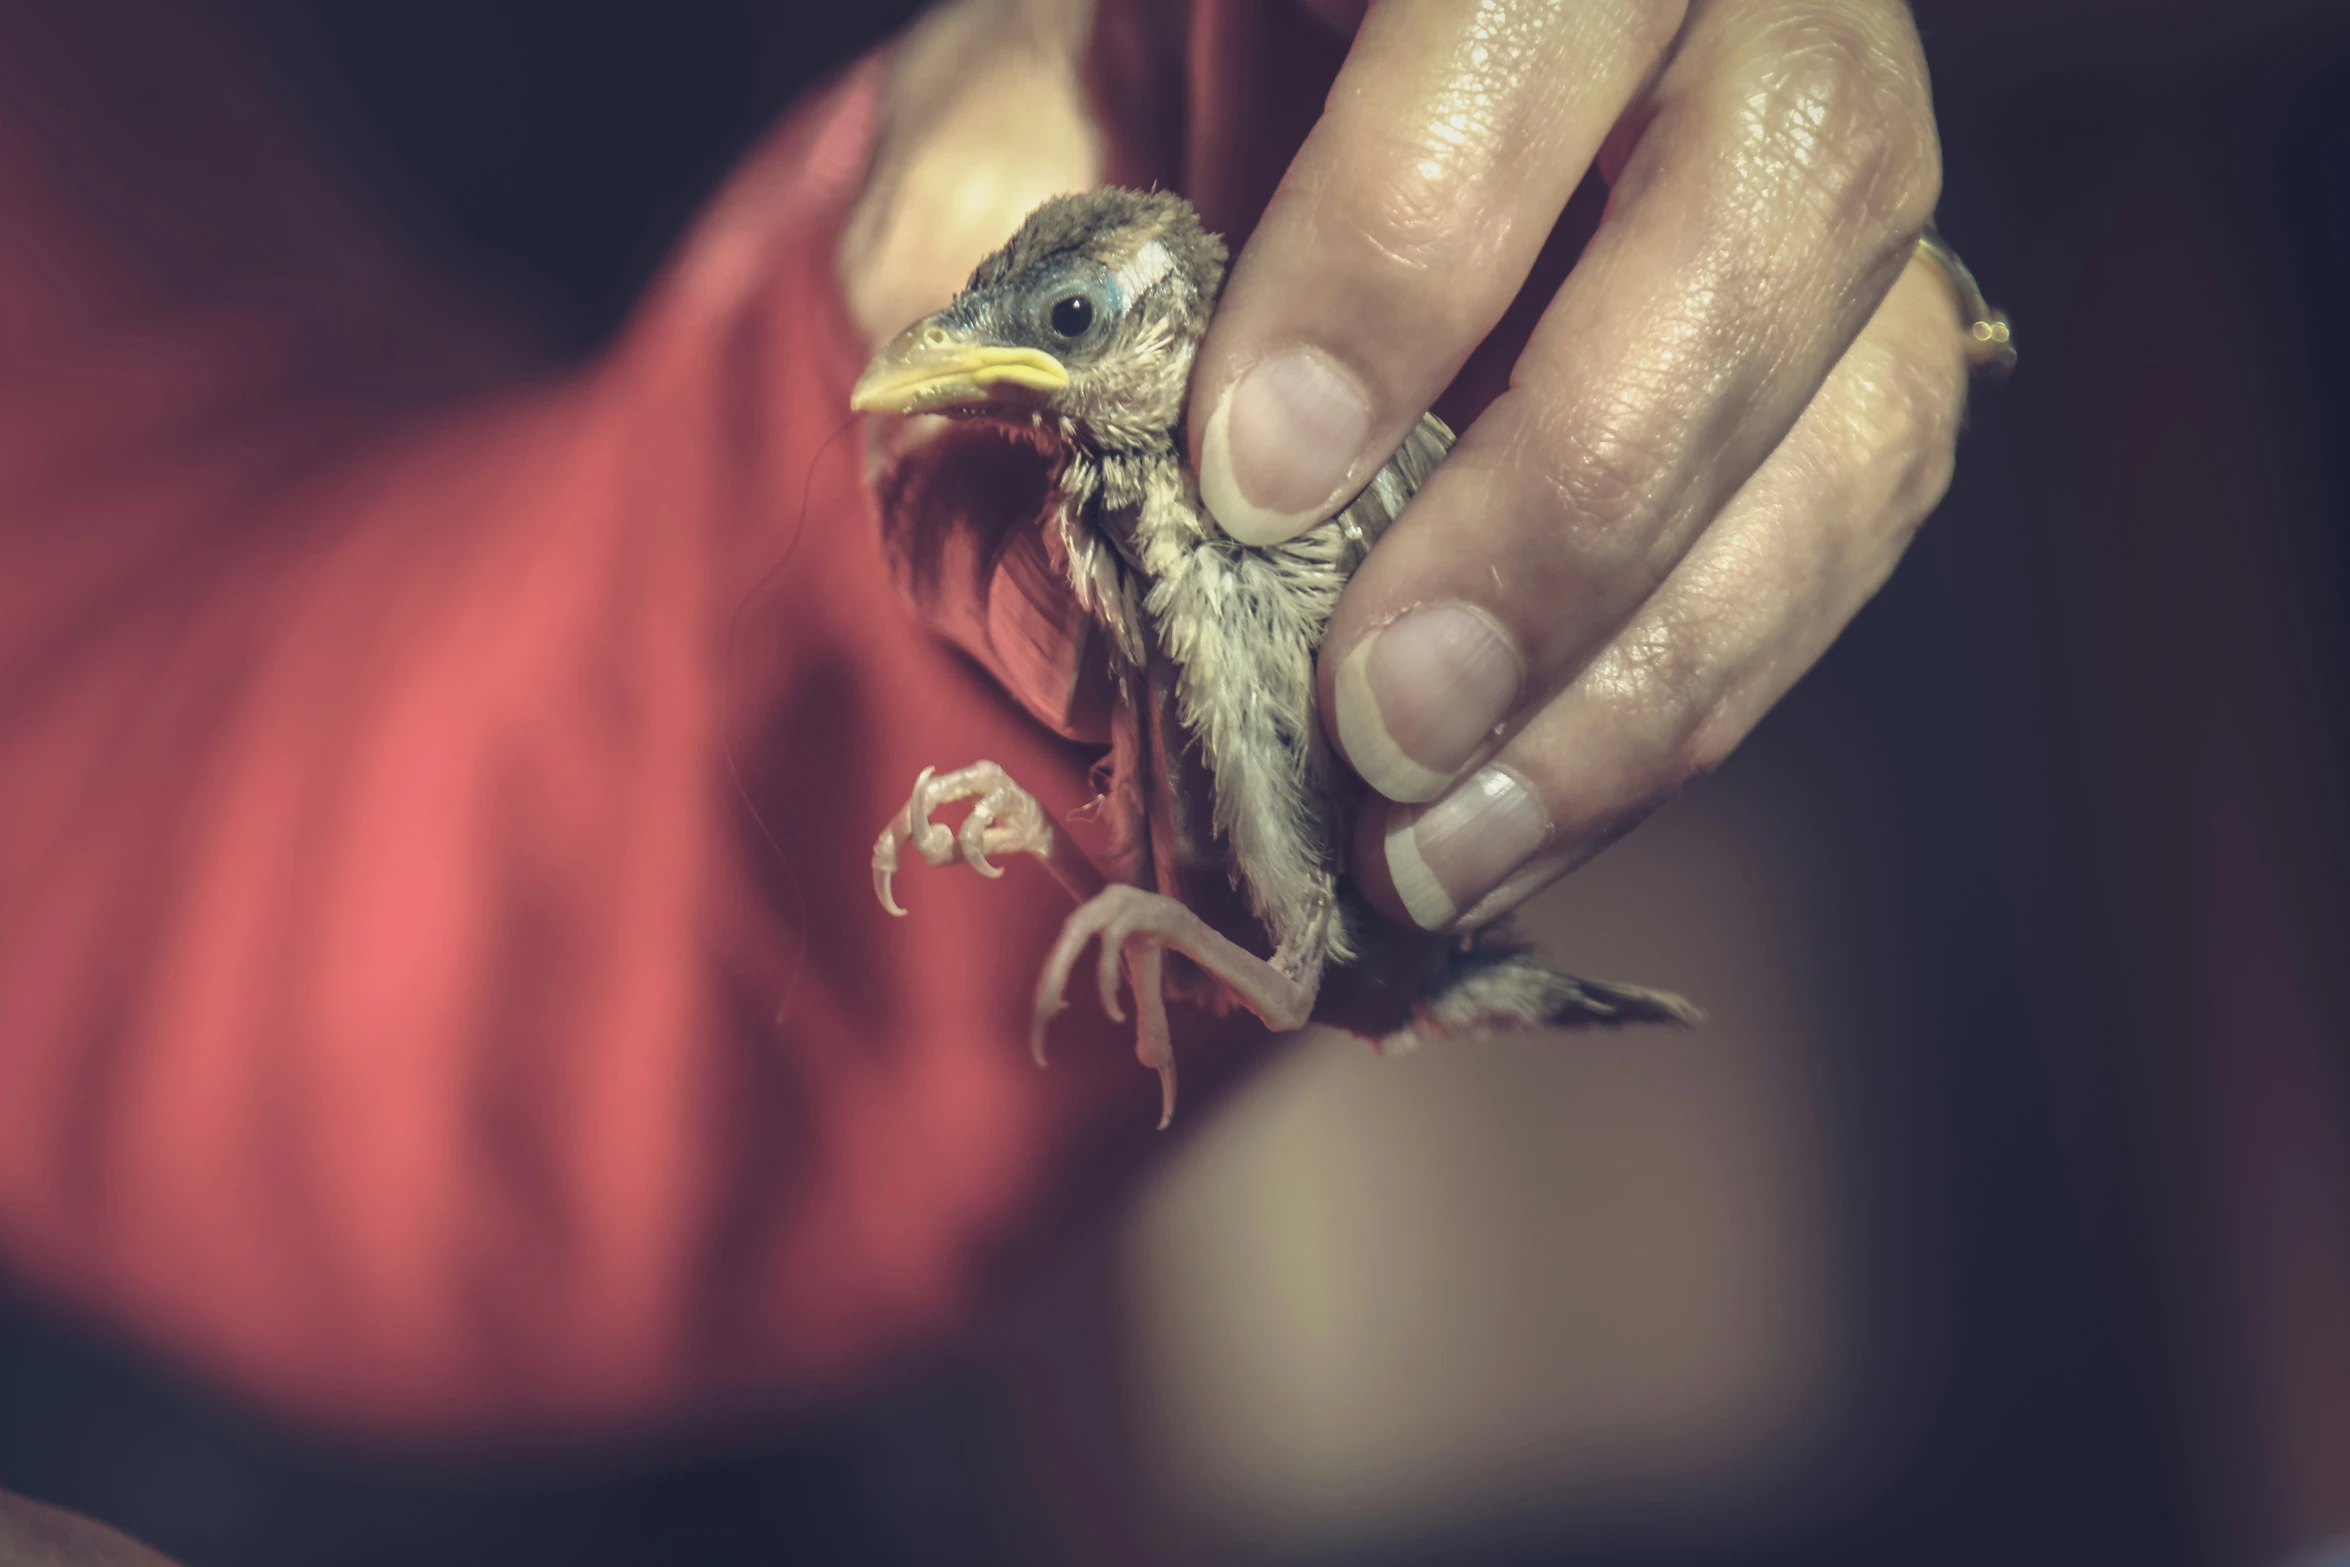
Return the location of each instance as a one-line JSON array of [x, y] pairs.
[[1072, 315]]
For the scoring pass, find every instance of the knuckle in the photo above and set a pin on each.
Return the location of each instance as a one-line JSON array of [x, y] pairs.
[[1660, 682], [1604, 466], [1600, 485], [1911, 410], [1836, 110], [1396, 170], [1687, 743], [1924, 459], [1920, 482], [1424, 201], [1412, 249], [1412, 202]]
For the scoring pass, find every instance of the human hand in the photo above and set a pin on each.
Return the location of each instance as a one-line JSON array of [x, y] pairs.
[[1717, 439], [1714, 446]]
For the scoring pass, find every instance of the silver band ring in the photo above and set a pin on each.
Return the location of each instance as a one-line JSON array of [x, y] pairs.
[[1990, 336]]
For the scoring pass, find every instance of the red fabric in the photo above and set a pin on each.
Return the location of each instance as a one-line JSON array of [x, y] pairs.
[[399, 1012]]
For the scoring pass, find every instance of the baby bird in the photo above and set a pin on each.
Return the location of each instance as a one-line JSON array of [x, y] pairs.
[[1079, 336]]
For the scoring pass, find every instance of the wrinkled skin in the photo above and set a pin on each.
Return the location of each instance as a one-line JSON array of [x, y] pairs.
[[1717, 433]]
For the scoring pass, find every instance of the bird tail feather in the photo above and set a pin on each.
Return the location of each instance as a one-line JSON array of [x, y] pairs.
[[1497, 981]]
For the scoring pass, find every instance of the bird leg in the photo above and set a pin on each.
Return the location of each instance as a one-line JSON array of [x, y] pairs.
[[1005, 818], [1136, 928]]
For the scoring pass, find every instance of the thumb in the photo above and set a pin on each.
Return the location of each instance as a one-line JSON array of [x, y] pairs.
[[987, 116]]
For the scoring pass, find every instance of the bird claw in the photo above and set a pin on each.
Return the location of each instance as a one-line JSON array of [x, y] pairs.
[[1135, 929], [1005, 818]]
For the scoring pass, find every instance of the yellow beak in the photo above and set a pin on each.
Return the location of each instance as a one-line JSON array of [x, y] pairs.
[[926, 367]]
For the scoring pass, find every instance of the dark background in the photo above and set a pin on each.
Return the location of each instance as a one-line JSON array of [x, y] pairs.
[[2108, 688]]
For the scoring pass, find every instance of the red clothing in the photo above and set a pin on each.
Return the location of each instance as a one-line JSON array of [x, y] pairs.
[[399, 1012]]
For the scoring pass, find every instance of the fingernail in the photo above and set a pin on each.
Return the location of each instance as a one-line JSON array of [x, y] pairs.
[[1280, 450], [1419, 698], [1455, 851]]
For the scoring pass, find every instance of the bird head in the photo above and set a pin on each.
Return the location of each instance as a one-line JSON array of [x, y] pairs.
[[1084, 325]]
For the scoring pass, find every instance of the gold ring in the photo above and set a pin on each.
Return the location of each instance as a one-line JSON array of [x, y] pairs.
[[1990, 336]]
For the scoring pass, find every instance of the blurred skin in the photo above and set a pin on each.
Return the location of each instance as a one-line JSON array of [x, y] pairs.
[[32, 1535], [1717, 437]]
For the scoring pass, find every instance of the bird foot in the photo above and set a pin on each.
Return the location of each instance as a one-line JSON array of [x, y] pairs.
[[1136, 928], [1004, 819]]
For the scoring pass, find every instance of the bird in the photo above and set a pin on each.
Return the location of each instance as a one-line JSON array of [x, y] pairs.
[[1077, 337]]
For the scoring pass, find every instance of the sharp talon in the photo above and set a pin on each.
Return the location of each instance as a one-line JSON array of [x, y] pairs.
[[1042, 1021], [885, 865], [1003, 818], [1108, 978], [1052, 994], [1152, 1043], [1135, 929], [973, 841]]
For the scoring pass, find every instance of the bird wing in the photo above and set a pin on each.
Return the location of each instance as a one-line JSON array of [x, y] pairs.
[[1240, 625]]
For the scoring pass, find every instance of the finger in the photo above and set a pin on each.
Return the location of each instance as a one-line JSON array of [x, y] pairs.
[[1451, 141], [1769, 204], [1795, 554]]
